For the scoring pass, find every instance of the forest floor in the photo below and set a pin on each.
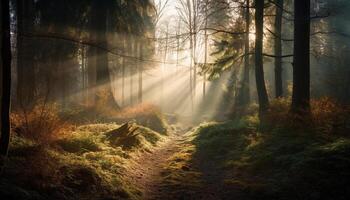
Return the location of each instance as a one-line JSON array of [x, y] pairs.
[[146, 170], [171, 172], [237, 159]]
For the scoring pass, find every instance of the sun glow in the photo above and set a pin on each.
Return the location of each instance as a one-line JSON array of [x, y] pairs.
[[252, 37]]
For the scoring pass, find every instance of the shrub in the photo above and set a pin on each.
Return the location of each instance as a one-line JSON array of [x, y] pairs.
[[328, 116], [279, 112], [41, 124]]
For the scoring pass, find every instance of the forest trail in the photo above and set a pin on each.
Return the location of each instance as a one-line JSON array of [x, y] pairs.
[[146, 170]]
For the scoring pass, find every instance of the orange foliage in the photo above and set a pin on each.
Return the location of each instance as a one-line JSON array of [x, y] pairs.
[[278, 113], [41, 124], [327, 116]]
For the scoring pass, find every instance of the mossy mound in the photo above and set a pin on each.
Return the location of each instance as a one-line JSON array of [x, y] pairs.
[[273, 164], [83, 164]]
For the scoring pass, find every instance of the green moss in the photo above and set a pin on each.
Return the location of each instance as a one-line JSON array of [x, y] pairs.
[[78, 145], [82, 165], [273, 164]]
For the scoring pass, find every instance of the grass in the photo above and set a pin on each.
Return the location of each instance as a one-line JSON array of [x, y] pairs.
[[242, 159], [238, 159], [80, 165]]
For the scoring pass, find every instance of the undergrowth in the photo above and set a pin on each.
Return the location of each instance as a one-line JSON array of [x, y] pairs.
[[42, 123], [79, 164], [144, 114], [244, 159]]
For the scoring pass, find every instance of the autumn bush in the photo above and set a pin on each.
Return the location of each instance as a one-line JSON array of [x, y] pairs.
[[42, 123], [327, 116], [106, 110], [278, 114]]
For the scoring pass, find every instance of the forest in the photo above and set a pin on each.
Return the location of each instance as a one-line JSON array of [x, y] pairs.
[[175, 100]]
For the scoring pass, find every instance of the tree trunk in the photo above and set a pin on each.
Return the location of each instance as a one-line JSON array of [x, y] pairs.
[[131, 71], [246, 78], [84, 74], [25, 68], [194, 33], [243, 98], [259, 66], [278, 48], [140, 69], [301, 60], [91, 61], [205, 48], [6, 79], [123, 74], [178, 45], [103, 80], [190, 28], [91, 75]]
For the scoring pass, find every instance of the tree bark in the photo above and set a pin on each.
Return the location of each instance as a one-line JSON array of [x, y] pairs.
[[278, 49], [6, 79], [301, 60], [259, 66]]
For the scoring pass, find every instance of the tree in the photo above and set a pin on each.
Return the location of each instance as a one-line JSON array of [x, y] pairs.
[[140, 69], [188, 11], [206, 15], [259, 66], [301, 59], [6, 79], [102, 72], [246, 79], [244, 93], [278, 48]]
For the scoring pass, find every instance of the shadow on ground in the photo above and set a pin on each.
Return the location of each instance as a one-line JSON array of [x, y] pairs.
[[236, 160]]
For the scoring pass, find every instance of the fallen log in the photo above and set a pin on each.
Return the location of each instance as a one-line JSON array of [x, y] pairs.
[[126, 130]]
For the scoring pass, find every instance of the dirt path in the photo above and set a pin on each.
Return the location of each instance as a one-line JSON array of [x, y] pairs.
[[146, 171]]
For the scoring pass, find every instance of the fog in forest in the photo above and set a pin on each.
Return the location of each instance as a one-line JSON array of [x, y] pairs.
[[175, 99], [154, 65]]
